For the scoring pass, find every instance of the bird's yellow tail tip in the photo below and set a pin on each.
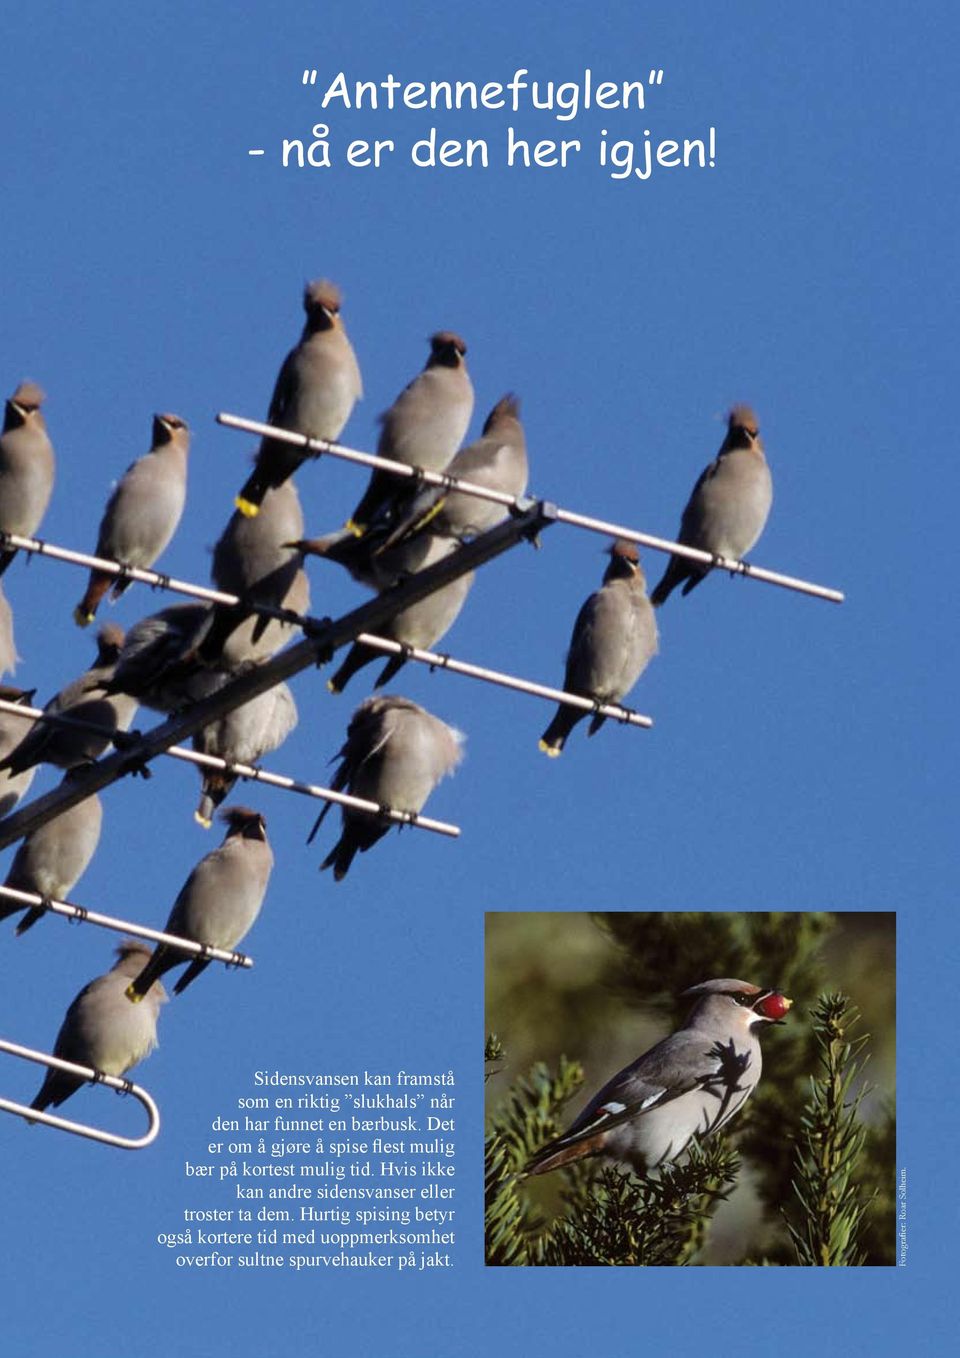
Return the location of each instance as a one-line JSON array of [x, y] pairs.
[[132, 995], [82, 616], [552, 751], [246, 507], [357, 529], [203, 820], [333, 686]]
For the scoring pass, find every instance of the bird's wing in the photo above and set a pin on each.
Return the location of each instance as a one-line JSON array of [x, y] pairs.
[[581, 640], [692, 519], [358, 747], [600, 643], [282, 391], [424, 507], [686, 1060]]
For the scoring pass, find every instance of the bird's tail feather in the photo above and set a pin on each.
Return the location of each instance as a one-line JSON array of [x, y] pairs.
[[195, 968], [565, 1152], [86, 609]]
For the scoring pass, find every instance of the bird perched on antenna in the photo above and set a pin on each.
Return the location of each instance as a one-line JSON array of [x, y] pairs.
[[316, 390], [423, 428], [614, 639], [242, 736], [690, 1084], [399, 542], [143, 512], [497, 461], [395, 754], [26, 466], [728, 506], [219, 902], [102, 1029], [53, 857], [254, 559], [89, 699], [420, 624], [152, 667]]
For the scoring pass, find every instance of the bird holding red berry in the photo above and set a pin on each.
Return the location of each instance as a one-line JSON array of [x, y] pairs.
[[689, 1084]]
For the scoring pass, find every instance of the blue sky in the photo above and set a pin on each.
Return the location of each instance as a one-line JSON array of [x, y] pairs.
[[800, 754]]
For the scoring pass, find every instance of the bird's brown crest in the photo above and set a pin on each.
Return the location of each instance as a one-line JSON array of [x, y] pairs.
[[321, 293], [508, 407], [109, 641], [627, 550], [28, 396], [165, 426], [447, 339], [744, 417], [243, 820], [726, 985]]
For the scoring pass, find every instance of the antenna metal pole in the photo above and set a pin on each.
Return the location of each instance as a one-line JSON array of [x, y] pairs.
[[247, 771], [95, 1077], [436, 661], [156, 579], [319, 447], [121, 926]]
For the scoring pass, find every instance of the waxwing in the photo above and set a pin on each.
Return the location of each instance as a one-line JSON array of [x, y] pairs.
[[143, 512], [421, 624], [218, 903], [394, 755], [103, 1029], [690, 1084], [251, 552], [316, 390], [255, 560], [368, 560], [242, 736], [52, 859], [614, 639], [728, 508], [26, 466], [423, 428], [232, 644], [496, 461], [90, 699], [153, 664]]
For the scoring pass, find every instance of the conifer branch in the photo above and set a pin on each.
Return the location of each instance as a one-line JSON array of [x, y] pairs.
[[830, 1203], [528, 1118], [609, 1217]]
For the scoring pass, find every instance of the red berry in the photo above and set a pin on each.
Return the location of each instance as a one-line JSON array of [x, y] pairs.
[[774, 1006]]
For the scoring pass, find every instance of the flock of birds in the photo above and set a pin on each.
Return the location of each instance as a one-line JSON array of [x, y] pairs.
[[395, 751]]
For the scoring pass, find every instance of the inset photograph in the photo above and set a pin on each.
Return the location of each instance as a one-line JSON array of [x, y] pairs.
[[690, 1088]]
